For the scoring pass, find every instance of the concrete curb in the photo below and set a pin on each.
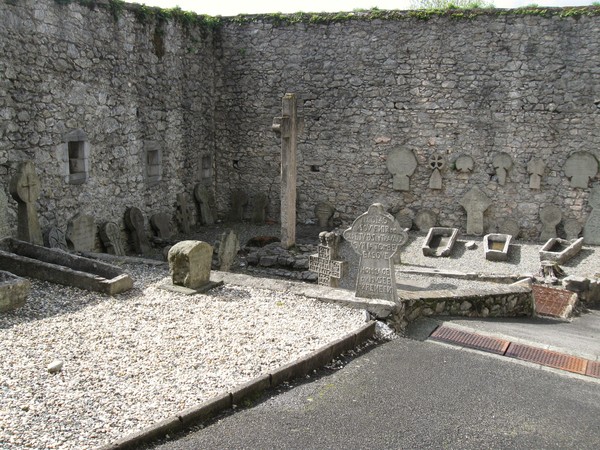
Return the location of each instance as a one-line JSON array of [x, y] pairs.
[[247, 391]]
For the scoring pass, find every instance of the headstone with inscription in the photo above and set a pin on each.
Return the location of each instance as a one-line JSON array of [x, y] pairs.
[[591, 231], [111, 238], [203, 198], [376, 237], [134, 221], [550, 216], [475, 203], [81, 233], [329, 269], [25, 189]]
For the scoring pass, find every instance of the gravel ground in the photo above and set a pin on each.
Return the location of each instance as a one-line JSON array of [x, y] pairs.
[[134, 359]]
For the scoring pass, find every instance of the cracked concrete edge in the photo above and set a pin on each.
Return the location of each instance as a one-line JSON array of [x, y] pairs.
[[247, 391], [378, 308]]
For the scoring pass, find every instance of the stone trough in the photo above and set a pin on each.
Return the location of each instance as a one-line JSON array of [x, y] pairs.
[[56, 266], [13, 291], [496, 246], [439, 241], [560, 250]]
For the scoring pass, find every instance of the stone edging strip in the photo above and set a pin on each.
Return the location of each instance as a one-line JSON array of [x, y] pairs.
[[249, 390]]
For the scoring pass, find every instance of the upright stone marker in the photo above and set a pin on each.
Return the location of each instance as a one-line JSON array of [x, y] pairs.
[[580, 167], [502, 163], [259, 210], [183, 214], [81, 233], [4, 230], [25, 189], [329, 269], [189, 264], [535, 169], [550, 216], [288, 126], [203, 199], [111, 238], [475, 203], [591, 230], [161, 224], [228, 250], [239, 201], [56, 239], [402, 164], [134, 221], [376, 237]]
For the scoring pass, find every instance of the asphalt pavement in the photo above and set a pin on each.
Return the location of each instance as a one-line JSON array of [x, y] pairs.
[[411, 394]]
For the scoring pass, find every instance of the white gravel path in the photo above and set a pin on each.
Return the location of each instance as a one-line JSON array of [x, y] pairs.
[[137, 358]]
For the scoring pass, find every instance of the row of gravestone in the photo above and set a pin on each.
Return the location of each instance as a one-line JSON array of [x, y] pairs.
[[580, 167]]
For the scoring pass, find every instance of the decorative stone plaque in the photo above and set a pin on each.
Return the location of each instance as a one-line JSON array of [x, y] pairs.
[[56, 239], [572, 229], [464, 164], [25, 189], [111, 238], [425, 219], [580, 168], [184, 215], [550, 216], [502, 162], [475, 203], [401, 163], [436, 163], [591, 231], [376, 237], [535, 169]]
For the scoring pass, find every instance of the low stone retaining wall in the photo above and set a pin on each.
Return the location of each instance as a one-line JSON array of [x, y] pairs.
[[587, 289], [496, 301]]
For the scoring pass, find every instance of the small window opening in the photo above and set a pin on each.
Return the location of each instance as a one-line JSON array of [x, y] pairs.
[[153, 164], [77, 162], [206, 166], [315, 168]]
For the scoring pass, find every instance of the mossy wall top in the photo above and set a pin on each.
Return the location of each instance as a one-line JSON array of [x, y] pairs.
[[446, 83]]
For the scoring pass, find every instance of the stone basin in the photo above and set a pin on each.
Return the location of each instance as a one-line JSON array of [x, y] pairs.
[[439, 241], [496, 246], [560, 250], [13, 291]]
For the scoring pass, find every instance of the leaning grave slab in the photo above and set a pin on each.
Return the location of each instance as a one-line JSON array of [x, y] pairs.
[[47, 264], [439, 241], [376, 236]]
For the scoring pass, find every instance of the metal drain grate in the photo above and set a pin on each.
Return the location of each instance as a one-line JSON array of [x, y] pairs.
[[471, 340], [547, 358], [593, 369]]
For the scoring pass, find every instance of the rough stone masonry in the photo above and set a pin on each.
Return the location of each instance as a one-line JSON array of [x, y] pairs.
[[116, 109]]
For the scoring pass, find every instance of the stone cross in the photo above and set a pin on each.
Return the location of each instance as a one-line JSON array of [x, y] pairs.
[[550, 216], [81, 233], [475, 203], [25, 189], [502, 162], [57, 239], [436, 164], [325, 262], [402, 164], [111, 238], [535, 169], [134, 221], [288, 126], [376, 237], [203, 199], [591, 230], [580, 167], [183, 213]]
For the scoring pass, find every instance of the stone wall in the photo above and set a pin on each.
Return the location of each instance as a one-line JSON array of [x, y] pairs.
[[198, 103], [130, 91], [525, 85]]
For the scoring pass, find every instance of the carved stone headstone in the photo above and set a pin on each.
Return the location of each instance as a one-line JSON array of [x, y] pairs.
[[324, 212], [228, 249], [325, 263], [572, 229], [203, 198], [25, 189], [580, 167], [425, 219], [502, 162], [189, 263], [376, 237], [404, 220], [161, 224], [402, 164], [134, 221], [239, 201], [288, 126], [111, 238], [591, 231], [535, 169], [550, 216], [436, 163], [475, 203], [4, 230], [55, 238], [81, 233], [464, 164], [259, 210], [510, 227], [184, 214]]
